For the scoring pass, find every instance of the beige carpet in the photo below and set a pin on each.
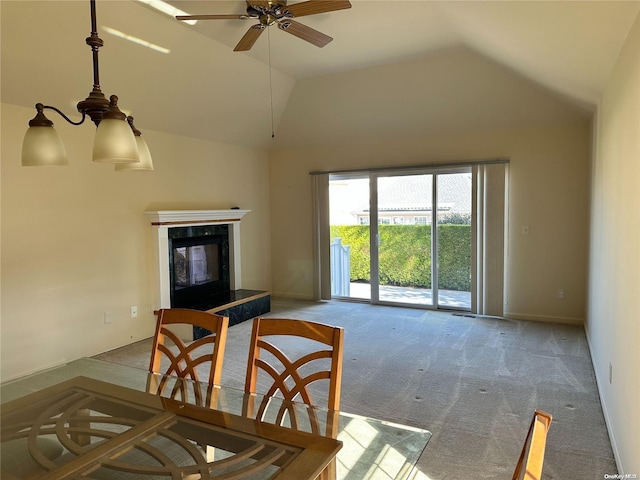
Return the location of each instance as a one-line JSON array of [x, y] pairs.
[[473, 382]]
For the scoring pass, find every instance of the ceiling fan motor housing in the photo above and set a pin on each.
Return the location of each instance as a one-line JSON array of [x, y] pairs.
[[268, 12]]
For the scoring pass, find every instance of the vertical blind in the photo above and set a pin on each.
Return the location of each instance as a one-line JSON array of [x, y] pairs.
[[488, 241], [321, 240]]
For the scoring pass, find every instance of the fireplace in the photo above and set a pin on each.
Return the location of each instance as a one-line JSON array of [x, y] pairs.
[[198, 264]]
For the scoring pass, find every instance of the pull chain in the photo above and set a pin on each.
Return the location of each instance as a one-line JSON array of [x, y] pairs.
[[273, 130]]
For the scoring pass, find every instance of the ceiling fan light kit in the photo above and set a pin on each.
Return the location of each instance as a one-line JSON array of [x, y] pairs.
[[117, 140], [271, 12]]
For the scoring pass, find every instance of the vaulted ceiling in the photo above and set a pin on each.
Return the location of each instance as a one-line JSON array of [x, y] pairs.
[[197, 86]]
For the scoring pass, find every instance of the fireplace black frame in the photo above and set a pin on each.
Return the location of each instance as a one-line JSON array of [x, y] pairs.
[[206, 295]]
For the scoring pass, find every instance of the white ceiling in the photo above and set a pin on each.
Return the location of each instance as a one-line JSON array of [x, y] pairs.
[[202, 89], [569, 46]]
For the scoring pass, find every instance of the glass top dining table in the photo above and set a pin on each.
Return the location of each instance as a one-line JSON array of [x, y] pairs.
[[367, 448]]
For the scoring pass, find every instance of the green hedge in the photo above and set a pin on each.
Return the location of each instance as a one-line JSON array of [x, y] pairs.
[[405, 254]]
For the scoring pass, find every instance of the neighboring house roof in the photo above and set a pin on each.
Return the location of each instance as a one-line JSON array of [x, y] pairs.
[[414, 193]]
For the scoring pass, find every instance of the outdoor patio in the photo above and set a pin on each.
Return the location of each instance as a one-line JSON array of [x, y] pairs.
[[412, 295]]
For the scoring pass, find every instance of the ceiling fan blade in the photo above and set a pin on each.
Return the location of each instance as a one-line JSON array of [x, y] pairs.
[[258, 3], [309, 34], [311, 7], [212, 17], [249, 38]]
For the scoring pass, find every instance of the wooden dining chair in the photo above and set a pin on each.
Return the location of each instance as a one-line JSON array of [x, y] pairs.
[[287, 376], [529, 466], [176, 365], [280, 365]]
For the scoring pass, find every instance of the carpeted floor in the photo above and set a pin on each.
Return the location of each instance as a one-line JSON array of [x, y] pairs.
[[473, 382]]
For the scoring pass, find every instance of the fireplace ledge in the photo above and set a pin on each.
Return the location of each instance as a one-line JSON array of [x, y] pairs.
[[194, 217]]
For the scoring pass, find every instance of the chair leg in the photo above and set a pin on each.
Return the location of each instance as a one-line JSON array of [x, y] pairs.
[[81, 439], [329, 473]]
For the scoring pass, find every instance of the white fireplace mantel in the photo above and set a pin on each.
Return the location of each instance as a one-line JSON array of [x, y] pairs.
[[195, 217], [163, 220]]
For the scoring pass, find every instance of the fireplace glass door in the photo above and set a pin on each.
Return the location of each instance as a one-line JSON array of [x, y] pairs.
[[196, 265]]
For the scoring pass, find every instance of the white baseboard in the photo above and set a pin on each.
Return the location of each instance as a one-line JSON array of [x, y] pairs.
[[605, 410], [544, 318], [292, 296]]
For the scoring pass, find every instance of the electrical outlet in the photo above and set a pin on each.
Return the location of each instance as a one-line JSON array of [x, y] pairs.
[[108, 317], [561, 294], [134, 311]]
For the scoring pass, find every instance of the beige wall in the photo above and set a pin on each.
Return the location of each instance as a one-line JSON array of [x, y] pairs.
[[75, 242], [613, 326], [503, 115]]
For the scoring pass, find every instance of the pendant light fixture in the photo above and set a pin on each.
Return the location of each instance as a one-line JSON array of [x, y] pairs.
[[145, 163], [116, 141]]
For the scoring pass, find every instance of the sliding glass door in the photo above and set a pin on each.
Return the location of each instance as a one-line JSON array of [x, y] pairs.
[[453, 236], [387, 230], [350, 251], [404, 239]]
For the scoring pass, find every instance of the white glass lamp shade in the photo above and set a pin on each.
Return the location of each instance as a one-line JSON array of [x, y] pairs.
[[42, 146], [114, 142], [145, 163]]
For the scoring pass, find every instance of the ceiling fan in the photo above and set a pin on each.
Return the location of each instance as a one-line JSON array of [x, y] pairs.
[[270, 12]]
